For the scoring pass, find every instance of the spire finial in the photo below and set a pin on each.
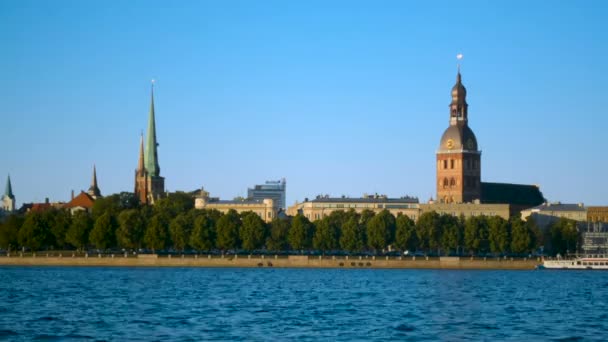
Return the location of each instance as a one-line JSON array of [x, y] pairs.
[[459, 58]]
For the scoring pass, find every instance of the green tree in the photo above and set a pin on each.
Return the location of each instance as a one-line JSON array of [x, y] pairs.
[[353, 235], [253, 232], [521, 236], [103, 234], [228, 227], [174, 204], [428, 230], [157, 237], [180, 229], [109, 204], [35, 232], [564, 236], [405, 235], [499, 234], [203, 235], [130, 231], [60, 226], [301, 233], [128, 200], [326, 235], [279, 230], [381, 230], [476, 234], [9, 232], [451, 233], [365, 216], [78, 233]]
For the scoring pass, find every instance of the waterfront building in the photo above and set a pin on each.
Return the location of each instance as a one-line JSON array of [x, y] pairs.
[[149, 185], [323, 206], [458, 175], [597, 214], [8, 199], [271, 189], [469, 209], [266, 208], [594, 238], [550, 212]]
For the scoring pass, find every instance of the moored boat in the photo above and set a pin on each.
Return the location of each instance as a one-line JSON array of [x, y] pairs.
[[581, 263]]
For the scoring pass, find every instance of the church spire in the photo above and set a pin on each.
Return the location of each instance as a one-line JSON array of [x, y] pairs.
[[151, 157], [459, 108], [94, 189], [9, 188], [140, 164]]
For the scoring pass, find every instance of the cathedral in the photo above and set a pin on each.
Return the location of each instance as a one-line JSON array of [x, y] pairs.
[[458, 158], [458, 166], [149, 185]]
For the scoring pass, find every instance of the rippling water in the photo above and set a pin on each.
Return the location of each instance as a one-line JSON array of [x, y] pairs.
[[44, 303]]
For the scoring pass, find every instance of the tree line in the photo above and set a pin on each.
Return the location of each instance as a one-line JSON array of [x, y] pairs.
[[120, 222]]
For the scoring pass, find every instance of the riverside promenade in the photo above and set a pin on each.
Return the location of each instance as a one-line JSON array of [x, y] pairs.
[[291, 261]]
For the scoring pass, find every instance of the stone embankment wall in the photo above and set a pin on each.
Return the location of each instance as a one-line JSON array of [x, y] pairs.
[[152, 260]]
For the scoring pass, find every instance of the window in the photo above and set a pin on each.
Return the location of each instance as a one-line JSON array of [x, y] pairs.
[[446, 183], [445, 164], [452, 182], [451, 163]]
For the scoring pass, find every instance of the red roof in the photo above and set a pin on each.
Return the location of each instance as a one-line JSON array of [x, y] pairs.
[[83, 200]]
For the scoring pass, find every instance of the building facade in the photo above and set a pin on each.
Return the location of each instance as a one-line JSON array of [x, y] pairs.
[[266, 208], [547, 213], [149, 185], [276, 190], [323, 206], [468, 209], [597, 214], [458, 157]]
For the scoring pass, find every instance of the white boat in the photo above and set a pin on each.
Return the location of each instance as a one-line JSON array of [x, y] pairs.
[[581, 263]]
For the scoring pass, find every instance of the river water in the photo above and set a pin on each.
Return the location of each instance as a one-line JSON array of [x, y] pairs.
[[194, 304]]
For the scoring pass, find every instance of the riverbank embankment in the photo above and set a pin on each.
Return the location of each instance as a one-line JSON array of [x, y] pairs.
[[291, 261]]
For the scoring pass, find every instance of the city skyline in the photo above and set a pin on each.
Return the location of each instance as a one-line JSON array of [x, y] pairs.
[[329, 115]]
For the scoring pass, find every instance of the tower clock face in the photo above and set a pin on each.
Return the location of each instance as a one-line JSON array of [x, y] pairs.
[[449, 144], [470, 144]]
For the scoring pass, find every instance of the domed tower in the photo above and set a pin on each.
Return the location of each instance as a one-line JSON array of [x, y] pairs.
[[458, 157]]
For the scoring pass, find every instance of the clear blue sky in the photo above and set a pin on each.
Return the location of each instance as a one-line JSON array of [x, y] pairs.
[[339, 97]]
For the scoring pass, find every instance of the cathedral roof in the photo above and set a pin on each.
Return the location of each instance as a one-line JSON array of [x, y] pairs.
[[514, 194], [458, 137]]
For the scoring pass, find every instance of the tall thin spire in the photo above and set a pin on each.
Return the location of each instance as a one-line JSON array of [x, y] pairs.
[[94, 189], [140, 164], [151, 157], [9, 188]]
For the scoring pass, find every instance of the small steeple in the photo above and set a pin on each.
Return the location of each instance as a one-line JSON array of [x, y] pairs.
[[151, 160], [459, 107], [8, 192], [94, 189]]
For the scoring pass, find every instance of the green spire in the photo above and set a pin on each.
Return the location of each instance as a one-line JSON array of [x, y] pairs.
[[151, 158], [9, 188]]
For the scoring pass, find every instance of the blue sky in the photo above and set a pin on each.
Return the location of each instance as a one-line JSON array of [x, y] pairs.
[[339, 97]]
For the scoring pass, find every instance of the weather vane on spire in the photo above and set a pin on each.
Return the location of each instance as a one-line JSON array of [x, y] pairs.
[[459, 58]]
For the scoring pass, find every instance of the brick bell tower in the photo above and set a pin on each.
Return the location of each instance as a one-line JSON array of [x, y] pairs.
[[458, 157]]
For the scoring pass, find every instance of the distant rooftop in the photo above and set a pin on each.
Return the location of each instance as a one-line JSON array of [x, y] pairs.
[[365, 199], [558, 206]]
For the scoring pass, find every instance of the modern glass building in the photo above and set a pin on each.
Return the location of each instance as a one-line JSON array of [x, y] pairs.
[[271, 189]]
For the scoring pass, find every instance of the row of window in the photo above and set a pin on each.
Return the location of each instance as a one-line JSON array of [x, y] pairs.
[[468, 164]]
